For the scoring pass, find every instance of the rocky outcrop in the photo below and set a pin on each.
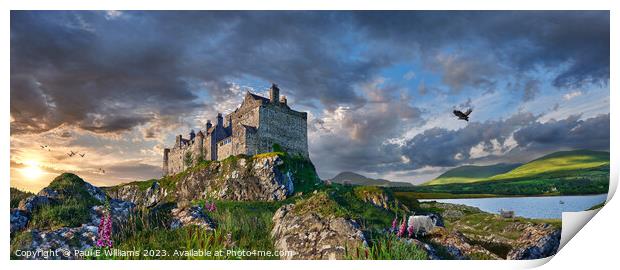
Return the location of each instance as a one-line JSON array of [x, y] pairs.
[[239, 179], [150, 197], [65, 241], [19, 220], [458, 246], [190, 216], [536, 242], [375, 196], [310, 235], [61, 242], [32, 202]]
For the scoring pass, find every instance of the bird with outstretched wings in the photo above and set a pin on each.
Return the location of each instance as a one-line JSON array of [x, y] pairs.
[[463, 115]]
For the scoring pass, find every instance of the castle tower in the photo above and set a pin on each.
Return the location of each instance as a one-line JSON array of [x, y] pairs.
[[274, 94], [192, 135], [220, 120], [200, 137], [165, 165], [209, 125]]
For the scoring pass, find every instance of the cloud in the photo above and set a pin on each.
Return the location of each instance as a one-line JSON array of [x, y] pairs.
[[572, 132], [439, 147], [577, 41], [358, 138], [571, 95]]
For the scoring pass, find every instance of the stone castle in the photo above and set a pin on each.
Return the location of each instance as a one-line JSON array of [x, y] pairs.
[[257, 126]]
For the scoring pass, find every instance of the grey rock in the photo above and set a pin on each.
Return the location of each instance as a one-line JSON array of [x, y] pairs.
[[190, 216], [536, 242], [248, 179], [310, 236], [32, 202], [19, 220]]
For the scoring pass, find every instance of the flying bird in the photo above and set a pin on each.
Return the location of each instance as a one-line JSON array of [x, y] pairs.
[[82, 155], [71, 153], [462, 115]]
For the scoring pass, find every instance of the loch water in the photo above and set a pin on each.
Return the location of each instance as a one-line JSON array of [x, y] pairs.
[[532, 207]]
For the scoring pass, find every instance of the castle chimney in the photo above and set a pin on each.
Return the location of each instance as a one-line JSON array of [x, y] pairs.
[[274, 93], [220, 120], [283, 100], [209, 125], [192, 135], [179, 139]]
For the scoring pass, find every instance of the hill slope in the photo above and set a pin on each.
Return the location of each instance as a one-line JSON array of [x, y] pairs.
[[558, 164], [360, 180], [471, 173]]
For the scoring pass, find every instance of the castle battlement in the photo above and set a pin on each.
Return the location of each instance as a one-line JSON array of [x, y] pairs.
[[255, 127]]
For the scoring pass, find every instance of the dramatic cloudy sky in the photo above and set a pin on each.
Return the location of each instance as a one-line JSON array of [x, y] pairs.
[[379, 87]]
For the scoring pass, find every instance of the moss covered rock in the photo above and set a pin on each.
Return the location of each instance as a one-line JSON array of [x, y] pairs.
[[315, 228]]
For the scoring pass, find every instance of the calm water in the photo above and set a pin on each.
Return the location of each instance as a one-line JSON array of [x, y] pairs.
[[532, 207]]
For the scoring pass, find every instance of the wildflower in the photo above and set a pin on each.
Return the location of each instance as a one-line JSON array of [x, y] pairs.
[[403, 228], [104, 238], [210, 207], [410, 231], [394, 223]]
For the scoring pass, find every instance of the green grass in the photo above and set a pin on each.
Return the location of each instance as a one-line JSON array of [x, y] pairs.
[[565, 164], [17, 195], [70, 209], [387, 247], [593, 181], [470, 173], [240, 226], [404, 195]]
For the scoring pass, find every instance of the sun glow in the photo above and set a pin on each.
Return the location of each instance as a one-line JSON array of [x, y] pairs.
[[32, 170]]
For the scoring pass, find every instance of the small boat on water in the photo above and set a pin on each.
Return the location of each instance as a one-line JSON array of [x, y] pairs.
[[561, 202]]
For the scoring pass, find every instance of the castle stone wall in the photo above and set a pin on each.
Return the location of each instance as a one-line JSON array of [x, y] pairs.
[[281, 125]]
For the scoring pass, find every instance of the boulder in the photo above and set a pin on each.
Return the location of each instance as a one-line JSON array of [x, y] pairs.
[[310, 235], [536, 242], [190, 216], [458, 246], [19, 220], [62, 242], [131, 192]]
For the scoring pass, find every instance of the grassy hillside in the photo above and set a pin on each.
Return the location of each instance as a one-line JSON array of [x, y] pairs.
[[360, 180], [471, 173], [558, 164], [17, 195]]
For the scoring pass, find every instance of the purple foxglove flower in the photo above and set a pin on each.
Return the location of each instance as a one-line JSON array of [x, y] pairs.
[[403, 229], [394, 224]]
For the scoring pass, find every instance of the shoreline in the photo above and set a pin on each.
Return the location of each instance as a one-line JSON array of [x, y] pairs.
[[447, 196]]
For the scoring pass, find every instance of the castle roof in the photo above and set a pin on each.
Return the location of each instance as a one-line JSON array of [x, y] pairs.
[[259, 98]]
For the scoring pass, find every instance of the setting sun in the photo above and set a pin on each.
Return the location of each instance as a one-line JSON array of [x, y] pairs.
[[32, 170]]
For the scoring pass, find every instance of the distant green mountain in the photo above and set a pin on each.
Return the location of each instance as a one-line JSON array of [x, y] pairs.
[[558, 164], [471, 173], [360, 180]]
